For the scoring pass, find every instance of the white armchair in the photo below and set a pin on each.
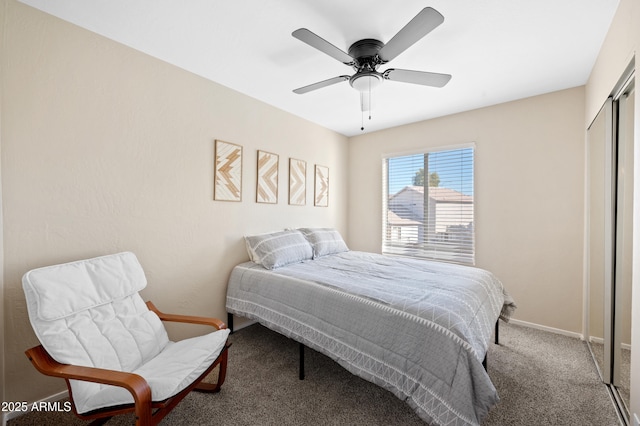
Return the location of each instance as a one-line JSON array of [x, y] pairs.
[[110, 346]]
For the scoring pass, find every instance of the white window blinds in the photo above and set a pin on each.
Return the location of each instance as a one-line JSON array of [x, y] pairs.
[[428, 205]]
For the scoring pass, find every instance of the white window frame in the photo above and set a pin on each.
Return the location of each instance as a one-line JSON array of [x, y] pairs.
[[430, 250]]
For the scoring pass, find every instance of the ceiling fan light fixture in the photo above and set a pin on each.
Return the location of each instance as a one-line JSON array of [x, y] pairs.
[[365, 82]]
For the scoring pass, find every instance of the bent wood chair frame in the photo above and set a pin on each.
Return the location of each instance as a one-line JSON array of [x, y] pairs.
[[147, 412]]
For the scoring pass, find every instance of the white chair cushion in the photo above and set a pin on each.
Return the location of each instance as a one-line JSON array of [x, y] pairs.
[[89, 313], [61, 290], [175, 368]]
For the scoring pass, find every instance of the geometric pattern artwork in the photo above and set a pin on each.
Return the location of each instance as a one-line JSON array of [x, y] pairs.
[[267, 185], [227, 184], [321, 198], [297, 182]]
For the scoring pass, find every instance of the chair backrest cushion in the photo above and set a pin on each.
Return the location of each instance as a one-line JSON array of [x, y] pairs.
[[89, 312]]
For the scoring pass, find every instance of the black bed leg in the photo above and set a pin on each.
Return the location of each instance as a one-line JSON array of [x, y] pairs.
[[230, 321], [301, 370], [497, 329]]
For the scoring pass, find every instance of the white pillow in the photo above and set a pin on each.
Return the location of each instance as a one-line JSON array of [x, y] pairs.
[[278, 248], [324, 241]]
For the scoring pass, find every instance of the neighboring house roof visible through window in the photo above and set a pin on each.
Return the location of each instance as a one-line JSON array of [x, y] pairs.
[[438, 194]]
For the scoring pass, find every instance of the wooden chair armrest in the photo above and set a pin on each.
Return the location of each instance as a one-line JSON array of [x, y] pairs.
[[190, 319], [135, 384]]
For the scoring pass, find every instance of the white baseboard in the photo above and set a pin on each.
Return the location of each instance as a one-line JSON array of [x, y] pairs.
[[546, 328], [580, 336], [14, 414], [600, 341], [596, 340], [241, 322], [243, 325]]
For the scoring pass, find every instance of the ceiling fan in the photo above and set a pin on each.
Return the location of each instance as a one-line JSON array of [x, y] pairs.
[[365, 56]]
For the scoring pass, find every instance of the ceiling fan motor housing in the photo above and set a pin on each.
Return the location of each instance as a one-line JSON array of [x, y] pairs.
[[365, 54]]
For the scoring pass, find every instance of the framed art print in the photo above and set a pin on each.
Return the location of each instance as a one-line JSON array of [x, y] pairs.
[[321, 193], [297, 182], [267, 180], [227, 181]]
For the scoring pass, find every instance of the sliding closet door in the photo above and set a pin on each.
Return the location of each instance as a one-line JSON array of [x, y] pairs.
[[609, 240], [599, 241], [623, 251]]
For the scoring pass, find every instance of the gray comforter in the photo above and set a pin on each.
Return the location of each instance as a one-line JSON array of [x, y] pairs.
[[417, 328]]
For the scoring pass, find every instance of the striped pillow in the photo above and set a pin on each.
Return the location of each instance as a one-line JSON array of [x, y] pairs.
[[324, 241], [278, 248]]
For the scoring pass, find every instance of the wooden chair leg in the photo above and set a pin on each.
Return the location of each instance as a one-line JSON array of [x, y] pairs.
[[222, 374], [143, 414]]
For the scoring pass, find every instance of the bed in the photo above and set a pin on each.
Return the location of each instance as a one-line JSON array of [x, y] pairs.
[[417, 328]]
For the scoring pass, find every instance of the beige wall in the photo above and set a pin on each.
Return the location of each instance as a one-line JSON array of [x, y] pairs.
[[615, 55], [106, 149], [2, 311], [617, 51], [529, 184]]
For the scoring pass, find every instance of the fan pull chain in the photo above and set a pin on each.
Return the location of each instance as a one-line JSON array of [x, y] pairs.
[[361, 111], [370, 102]]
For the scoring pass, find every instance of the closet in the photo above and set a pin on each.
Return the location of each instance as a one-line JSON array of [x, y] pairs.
[[609, 247]]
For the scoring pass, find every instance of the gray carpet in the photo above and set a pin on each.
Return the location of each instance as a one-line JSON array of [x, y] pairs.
[[542, 379]]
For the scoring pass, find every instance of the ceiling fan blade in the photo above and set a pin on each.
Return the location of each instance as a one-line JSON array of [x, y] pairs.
[[417, 77], [322, 45], [421, 25], [321, 84]]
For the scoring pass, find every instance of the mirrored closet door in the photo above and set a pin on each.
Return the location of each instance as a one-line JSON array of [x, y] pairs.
[[609, 248]]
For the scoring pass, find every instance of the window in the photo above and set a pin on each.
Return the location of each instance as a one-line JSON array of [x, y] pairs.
[[428, 205]]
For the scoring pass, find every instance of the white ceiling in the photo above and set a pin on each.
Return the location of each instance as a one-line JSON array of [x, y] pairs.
[[496, 50]]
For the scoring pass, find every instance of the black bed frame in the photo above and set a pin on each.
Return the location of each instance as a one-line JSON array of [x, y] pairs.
[[301, 346]]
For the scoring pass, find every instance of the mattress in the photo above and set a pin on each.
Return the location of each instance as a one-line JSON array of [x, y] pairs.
[[418, 328]]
